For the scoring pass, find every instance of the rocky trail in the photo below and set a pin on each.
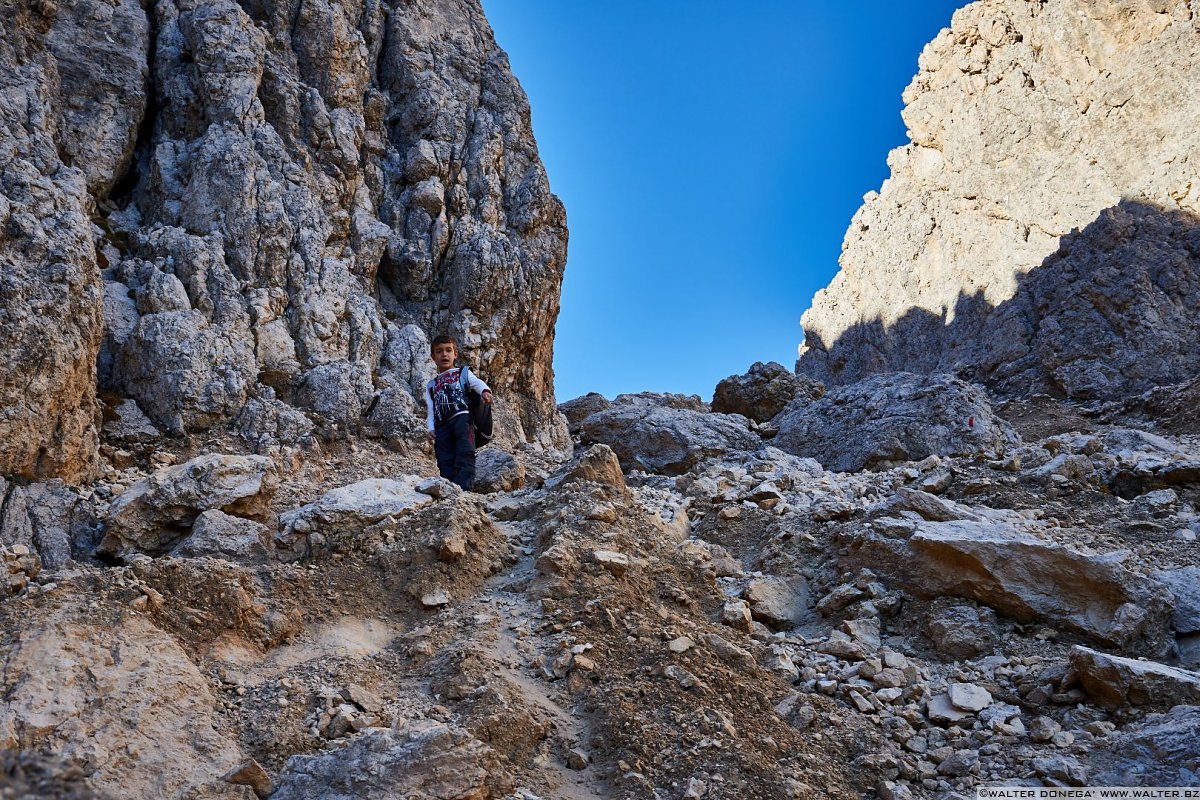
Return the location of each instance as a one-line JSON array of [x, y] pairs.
[[754, 626]]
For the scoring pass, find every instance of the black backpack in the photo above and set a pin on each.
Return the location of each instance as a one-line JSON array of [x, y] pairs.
[[479, 411]]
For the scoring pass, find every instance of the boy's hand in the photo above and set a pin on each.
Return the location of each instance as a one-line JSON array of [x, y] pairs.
[[429, 436], [487, 396]]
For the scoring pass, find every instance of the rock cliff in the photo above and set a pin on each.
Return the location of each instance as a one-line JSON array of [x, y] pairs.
[[1039, 231], [218, 202]]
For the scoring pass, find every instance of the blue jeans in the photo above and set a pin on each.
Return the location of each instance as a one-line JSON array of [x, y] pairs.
[[454, 444]]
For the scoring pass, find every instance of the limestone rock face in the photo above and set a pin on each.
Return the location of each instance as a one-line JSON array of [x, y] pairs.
[[213, 201], [67, 130], [319, 190], [894, 418], [1040, 227]]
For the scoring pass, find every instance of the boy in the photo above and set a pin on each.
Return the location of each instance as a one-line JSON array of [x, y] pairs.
[[447, 415]]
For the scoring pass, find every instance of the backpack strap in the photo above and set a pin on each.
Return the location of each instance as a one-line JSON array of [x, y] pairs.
[[463, 372]]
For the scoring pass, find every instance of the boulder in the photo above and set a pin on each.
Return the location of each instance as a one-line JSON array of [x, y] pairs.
[[1024, 577], [220, 535], [497, 471], [154, 514], [1112, 681], [888, 419], [777, 603], [579, 409], [598, 464], [420, 760], [764, 391], [50, 518], [76, 678], [655, 434]]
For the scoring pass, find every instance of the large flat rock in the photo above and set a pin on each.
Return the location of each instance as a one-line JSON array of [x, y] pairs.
[[1025, 577]]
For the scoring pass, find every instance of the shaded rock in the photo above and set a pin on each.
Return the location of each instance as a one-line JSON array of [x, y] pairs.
[[763, 391], [156, 512], [51, 518], [961, 632], [1184, 584], [1024, 577], [24, 774], [497, 471], [220, 535], [130, 425], [1161, 751], [421, 760], [730, 653], [1043, 729], [580, 408], [1113, 680], [893, 418], [665, 438]]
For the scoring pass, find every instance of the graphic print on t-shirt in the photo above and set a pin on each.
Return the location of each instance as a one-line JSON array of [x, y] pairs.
[[448, 396]]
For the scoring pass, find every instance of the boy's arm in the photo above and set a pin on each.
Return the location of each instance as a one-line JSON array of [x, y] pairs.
[[476, 384]]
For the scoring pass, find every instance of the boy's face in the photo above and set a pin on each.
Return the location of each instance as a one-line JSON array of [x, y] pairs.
[[443, 356]]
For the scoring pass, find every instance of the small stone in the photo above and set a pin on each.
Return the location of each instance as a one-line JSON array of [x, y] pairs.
[[577, 759], [614, 562], [1062, 739], [736, 614], [969, 697], [940, 709], [435, 598], [250, 773], [1043, 729], [681, 645], [962, 762], [584, 663], [696, 789]]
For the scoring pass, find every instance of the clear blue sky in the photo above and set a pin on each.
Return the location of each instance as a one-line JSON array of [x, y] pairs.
[[710, 155]]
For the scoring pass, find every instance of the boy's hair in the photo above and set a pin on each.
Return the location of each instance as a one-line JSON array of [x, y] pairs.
[[443, 339]]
